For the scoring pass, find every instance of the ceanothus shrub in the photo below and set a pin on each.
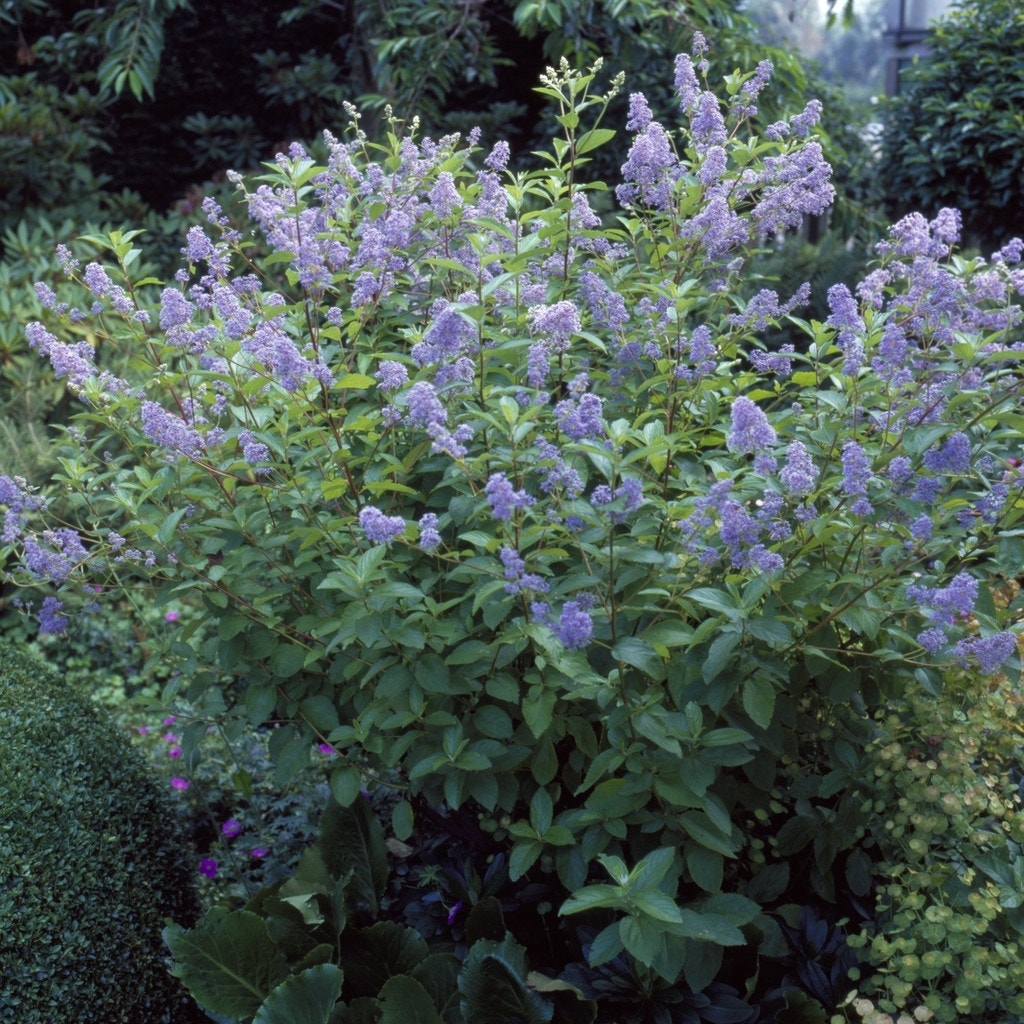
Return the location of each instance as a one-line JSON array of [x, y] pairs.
[[509, 503]]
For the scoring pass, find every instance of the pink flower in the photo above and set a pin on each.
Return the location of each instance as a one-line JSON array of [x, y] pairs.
[[143, 729], [327, 750], [208, 867], [170, 737], [172, 616], [174, 752], [231, 827], [169, 720], [260, 852], [178, 783]]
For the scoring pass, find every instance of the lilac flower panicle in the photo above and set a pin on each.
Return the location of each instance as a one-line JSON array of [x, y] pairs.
[[557, 322], [444, 197], [575, 627], [803, 122], [424, 407], [953, 456], [503, 498], [750, 432], [580, 419], [639, 116], [379, 528], [946, 605], [988, 652], [650, 170], [391, 375], [686, 83], [171, 432], [798, 475], [50, 618], [430, 537]]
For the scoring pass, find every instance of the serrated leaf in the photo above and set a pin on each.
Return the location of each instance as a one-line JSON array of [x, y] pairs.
[[759, 700], [305, 998], [228, 962], [372, 956], [351, 839], [493, 986], [405, 1001]]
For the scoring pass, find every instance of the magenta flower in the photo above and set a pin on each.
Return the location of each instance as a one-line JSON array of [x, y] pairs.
[[327, 750], [172, 616], [259, 852], [179, 783], [174, 752], [208, 867], [231, 827], [143, 729], [169, 720]]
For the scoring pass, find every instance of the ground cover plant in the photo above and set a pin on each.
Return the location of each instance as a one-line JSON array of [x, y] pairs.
[[511, 508]]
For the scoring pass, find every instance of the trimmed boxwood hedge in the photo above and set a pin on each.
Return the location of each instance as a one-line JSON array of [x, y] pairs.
[[92, 862]]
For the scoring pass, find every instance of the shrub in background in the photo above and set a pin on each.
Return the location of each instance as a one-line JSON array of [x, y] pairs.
[[92, 861], [952, 134], [515, 511]]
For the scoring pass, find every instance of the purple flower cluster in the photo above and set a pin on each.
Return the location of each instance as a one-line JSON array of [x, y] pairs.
[[430, 536], [947, 606], [518, 579], [582, 419], [15, 494], [379, 528], [651, 167], [503, 498], [750, 431], [425, 409], [798, 475], [716, 514], [171, 432], [556, 473]]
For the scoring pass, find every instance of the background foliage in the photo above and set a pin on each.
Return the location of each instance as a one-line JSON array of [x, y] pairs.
[[952, 135]]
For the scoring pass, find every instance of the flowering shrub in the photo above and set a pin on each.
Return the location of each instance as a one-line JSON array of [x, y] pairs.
[[512, 507]]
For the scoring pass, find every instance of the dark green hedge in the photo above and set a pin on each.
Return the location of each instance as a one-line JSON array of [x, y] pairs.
[[91, 863]]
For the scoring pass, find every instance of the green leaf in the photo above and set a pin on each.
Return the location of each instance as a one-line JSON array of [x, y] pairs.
[[402, 820], [371, 956], [708, 928], [702, 963], [523, 856], [716, 600], [227, 962], [706, 867], [493, 986], [346, 783], [592, 139], [539, 709], [650, 871], [700, 827], [541, 811], [640, 654], [606, 945], [720, 654], [351, 839], [405, 1001], [305, 998], [796, 834], [642, 938], [759, 700], [439, 976]]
